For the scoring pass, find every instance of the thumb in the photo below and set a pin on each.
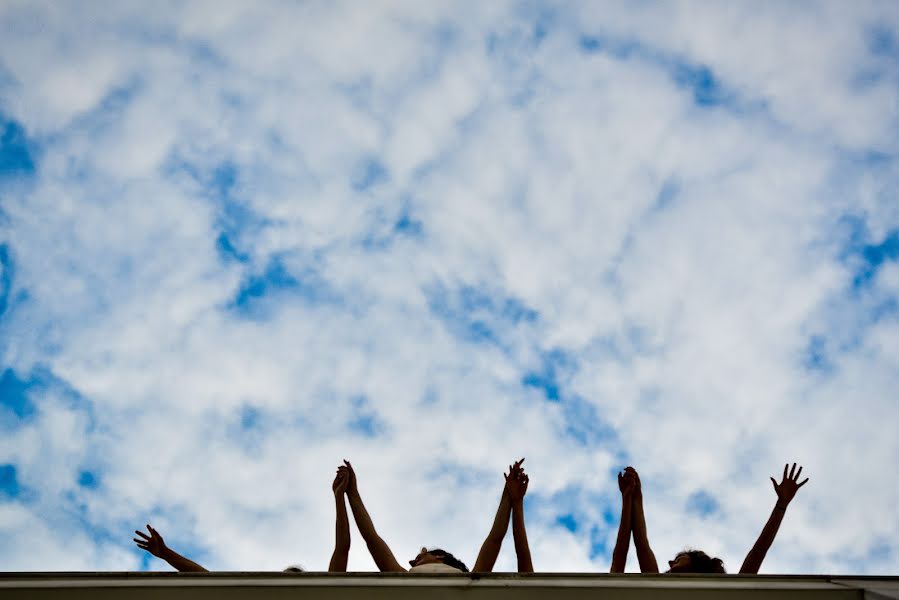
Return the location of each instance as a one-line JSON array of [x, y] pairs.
[[774, 483]]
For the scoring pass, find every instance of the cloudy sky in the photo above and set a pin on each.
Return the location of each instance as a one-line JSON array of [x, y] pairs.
[[240, 242]]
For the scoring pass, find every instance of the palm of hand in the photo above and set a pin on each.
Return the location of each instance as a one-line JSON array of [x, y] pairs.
[[351, 477], [517, 485], [152, 543], [789, 485], [626, 483], [156, 546], [786, 490], [516, 481], [341, 481]]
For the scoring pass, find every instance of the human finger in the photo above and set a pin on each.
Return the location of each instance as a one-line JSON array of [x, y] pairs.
[[803, 483], [774, 483], [798, 473], [785, 470], [142, 534]]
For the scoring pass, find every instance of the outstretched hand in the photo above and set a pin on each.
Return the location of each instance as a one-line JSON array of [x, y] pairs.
[[341, 481], [516, 481], [788, 486], [351, 477], [638, 487], [153, 543], [627, 482]]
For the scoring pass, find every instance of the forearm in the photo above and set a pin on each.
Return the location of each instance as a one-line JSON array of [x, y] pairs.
[[180, 563], [622, 544], [755, 557], [645, 555], [379, 550], [341, 538], [522, 550], [494, 541]]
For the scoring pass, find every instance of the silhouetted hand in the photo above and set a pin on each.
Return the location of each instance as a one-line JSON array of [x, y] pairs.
[[351, 474], [516, 482], [627, 483], [341, 481], [788, 486], [153, 543], [637, 492]]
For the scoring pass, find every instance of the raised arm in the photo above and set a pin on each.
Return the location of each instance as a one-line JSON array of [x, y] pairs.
[[645, 555], [379, 550], [342, 533], [785, 493], [626, 484], [517, 487], [155, 545], [491, 546]]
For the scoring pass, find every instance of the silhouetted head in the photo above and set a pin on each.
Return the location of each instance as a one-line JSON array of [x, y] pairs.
[[695, 561], [437, 556]]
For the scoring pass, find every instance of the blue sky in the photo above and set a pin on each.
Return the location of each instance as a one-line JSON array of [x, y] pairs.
[[240, 243]]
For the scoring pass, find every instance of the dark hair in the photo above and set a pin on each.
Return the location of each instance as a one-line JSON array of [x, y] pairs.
[[700, 562], [449, 559]]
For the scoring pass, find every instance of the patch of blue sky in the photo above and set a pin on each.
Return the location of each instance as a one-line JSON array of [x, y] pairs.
[[88, 479], [15, 403], [364, 420], [407, 225], [883, 41], [234, 219], [368, 175], [9, 482], [545, 378], [816, 356], [568, 521], [700, 80], [476, 315], [667, 194], [702, 503], [585, 425], [247, 429], [873, 256], [575, 510], [257, 291], [17, 151], [18, 393], [6, 277]]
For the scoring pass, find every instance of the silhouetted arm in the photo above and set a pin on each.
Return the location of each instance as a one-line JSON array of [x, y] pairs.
[[379, 550], [155, 545], [645, 555], [491, 546], [342, 531], [785, 493], [626, 484], [517, 487]]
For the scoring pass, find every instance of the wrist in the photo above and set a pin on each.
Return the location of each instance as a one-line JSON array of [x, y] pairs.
[[781, 505]]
